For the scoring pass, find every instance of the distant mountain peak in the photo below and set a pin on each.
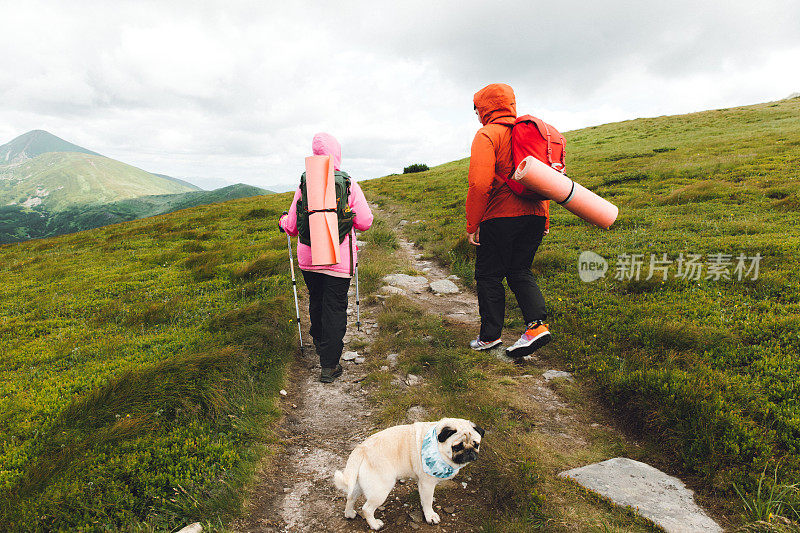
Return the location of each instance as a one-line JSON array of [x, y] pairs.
[[35, 143]]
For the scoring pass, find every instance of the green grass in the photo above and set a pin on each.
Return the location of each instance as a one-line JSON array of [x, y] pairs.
[[706, 368], [140, 367]]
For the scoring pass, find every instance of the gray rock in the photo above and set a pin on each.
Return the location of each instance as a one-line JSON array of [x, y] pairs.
[[388, 290], [416, 413], [360, 244], [192, 528], [653, 494], [453, 277], [403, 222], [444, 286], [556, 374], [413, 380], [359, 360], [404, 281], [392, 358], [349, 356]]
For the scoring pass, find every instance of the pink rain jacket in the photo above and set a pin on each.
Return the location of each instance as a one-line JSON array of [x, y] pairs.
[[326, 144]]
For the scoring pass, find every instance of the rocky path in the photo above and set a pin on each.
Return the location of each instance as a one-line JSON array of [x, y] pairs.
[[324, 422]]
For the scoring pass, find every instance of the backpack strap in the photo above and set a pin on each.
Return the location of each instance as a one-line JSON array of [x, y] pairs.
[[507, 179], [352, 259]]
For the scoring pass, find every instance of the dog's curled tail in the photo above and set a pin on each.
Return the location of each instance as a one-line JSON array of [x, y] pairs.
[[346, 480]]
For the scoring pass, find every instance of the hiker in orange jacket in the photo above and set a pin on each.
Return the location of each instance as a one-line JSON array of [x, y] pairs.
[[505, 228]]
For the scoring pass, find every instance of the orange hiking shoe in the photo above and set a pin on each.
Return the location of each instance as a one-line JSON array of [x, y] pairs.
[[536, 335]]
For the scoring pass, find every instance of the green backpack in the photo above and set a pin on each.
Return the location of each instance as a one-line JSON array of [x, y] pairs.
[[343, 211]]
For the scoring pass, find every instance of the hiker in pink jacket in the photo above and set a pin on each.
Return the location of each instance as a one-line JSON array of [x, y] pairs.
[[328, 285]]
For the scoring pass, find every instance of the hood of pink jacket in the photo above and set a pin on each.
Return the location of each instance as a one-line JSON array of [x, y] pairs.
[[326, 144]]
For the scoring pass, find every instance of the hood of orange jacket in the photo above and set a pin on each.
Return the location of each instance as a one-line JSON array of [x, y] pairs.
[[496, 101]]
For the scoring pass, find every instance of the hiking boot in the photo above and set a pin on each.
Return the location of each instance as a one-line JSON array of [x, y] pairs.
[[536, 335], [479, 345], [328, 375]]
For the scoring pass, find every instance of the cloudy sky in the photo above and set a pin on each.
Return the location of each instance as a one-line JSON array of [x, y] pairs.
[[234, 91]]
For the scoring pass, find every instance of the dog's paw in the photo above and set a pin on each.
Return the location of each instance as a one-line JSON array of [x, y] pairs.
[[433, 518], [351, 513], [376, 524]]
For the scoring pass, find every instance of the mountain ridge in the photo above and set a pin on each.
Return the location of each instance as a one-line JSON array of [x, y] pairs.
[[35, 143], [49, 186]]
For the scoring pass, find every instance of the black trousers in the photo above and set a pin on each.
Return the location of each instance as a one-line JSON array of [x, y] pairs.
[[507, 247], [327, 307]]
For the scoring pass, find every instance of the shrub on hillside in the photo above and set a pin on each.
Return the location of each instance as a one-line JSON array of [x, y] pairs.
[[416, 167]]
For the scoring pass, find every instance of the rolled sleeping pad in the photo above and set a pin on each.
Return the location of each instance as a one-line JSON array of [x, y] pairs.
[[552, 184], [323, 223]]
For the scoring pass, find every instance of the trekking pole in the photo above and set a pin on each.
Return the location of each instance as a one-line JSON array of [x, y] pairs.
[[358, 296], [294, 288]]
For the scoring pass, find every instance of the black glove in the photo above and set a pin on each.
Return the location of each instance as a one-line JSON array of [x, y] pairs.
[[279, 221]]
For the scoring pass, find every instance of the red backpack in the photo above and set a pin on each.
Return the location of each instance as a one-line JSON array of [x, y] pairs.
[[533, 136]]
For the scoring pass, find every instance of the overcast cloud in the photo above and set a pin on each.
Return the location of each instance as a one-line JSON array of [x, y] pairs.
[[235, 90]]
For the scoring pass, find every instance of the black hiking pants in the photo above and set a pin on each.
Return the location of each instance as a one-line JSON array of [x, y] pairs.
[[327, 307], [507, 247]]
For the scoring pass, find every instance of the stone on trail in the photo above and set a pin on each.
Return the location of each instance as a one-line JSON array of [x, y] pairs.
[[556, 374], [389, 290], [192, 528], [404, 281], [444, 286], [349, 356], [661, 498], [392, 358], [413, 380]]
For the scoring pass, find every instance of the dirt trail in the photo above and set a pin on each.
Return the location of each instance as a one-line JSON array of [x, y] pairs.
[[324, 422]]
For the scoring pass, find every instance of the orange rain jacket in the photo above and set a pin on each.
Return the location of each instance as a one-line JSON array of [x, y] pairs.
[[488, 196]]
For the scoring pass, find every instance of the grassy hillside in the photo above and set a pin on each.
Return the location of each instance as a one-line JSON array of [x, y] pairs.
[[58, 180], [79, 218], [191, 186], [139, 364], [705, 367]]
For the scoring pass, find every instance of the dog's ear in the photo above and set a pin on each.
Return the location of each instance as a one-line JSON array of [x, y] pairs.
[[446, 433], [479, 431]]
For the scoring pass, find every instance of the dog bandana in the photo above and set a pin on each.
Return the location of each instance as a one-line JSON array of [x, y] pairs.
[[432, 462]]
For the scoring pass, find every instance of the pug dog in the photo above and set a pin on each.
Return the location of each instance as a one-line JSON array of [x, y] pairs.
[[429, 452]]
